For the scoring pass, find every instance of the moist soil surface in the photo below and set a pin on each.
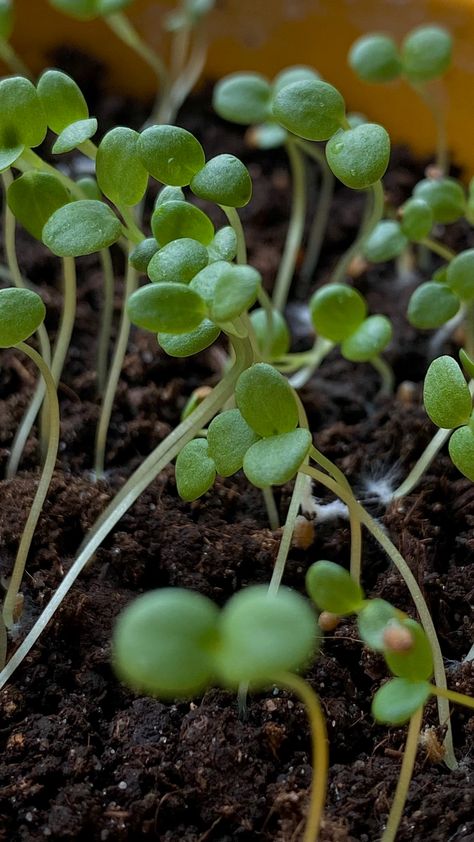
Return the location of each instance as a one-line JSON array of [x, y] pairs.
[[84, 758]]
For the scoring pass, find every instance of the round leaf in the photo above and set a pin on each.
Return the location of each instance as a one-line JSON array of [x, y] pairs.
[[368, 340], [386, 242], [242, 98], [81, 227], [166, 308], [224, 245], [163, 643], [426, 53], [313, 110], [416, 663], [141, 255], [62, 100], [461, 451], [21, 313], [359, 157], [446, 394], [34, 197], [290, 75], [22, 117], [178, 261], [375, 58], [266, 400], [224, 180], [170, 154], [169, 194], [264, 634], [273, 343], [372, 621], [398, 700], [235, 291], [275, 460], [460, 275], [75, 134], [417, 219], [186, 344], [229, 437], [445, 196], [120, 173], [195, 470], [432, 305], [333, 589], [175, 219], [337, 311], [89, 187]]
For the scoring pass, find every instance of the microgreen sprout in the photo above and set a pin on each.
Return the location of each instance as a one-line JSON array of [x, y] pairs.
[[425, 54], [175, 643]]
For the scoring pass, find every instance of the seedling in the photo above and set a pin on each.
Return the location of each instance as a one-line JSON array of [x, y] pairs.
[[408, 656], [175, 643], [21, 313], [424, 55]]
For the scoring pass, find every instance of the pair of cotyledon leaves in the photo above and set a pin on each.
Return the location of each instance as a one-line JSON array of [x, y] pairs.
[[448, 402], [333, 589], [425, 54], [339, 313], [300, 102], [261, 435]]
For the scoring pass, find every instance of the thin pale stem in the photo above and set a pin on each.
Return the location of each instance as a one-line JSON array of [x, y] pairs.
[[288, 529], [414, 589], [354, 519], [24, 429], [319, 750], [235, 221], [406, 772], [295, 227], [106, 320], [469, 329], [442, 154], [123, 29], [42, 489], [186, 80], [453, 696], [131, 491], [272, 511], [68, 317], [423, 463], [320, 221], [372, 215], [439, 248], [11, 58], [386, 374], [114, 374], [319, 352]]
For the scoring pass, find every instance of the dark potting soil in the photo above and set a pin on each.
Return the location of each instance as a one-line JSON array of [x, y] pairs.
[[84, 758]]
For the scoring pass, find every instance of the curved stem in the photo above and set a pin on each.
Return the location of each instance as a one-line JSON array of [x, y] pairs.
[[386, 374], [68, 317], [13, 60], [114, 374], [288, 529], [272, 511], [295, 226], [320, 221], [187, 78], [372, 216], [319, 750], [106, 320], [319, 352], [235, 221], [42, 489], [442, 155], [131, 491], [354, 519], [419, 468], [24, 429], [438, 248], [406, 772], [123, 29], [453, 696], [414, 589]]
